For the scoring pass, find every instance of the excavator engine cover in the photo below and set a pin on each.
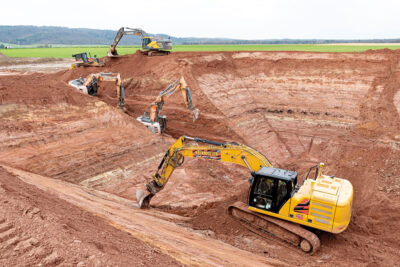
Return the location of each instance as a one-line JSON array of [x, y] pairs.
[[78, 84], [155, 127]]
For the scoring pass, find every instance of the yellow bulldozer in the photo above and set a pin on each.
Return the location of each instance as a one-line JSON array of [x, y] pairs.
[[277, 207], [83, 60]]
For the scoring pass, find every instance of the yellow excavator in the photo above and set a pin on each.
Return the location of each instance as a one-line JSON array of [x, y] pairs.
[[150, 47], [83, 60], [278, 207], [157, 122], [90, 85]]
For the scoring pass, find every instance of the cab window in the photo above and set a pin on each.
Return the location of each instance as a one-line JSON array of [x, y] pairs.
[[263, 193], [146, 41], [270, 194], [281, 194]]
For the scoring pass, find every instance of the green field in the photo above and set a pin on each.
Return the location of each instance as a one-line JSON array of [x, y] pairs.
[[101, 51]]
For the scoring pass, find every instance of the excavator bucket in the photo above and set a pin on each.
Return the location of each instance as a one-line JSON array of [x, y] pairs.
[[112, 52], [195, 113], [143, 198]]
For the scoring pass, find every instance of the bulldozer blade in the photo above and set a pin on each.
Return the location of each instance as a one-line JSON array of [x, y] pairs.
[[75, 65], [143, 197]]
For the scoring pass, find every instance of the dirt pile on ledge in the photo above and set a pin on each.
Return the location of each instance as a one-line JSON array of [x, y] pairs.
[[39, 89]]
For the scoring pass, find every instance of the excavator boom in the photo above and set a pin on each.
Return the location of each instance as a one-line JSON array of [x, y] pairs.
[[157, 122], [189, 147], [277, 206]]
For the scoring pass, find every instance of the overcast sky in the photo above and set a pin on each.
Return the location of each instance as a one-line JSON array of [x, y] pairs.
[[249, 19]]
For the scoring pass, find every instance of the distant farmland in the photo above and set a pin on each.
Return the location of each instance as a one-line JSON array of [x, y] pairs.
[[101, 51]]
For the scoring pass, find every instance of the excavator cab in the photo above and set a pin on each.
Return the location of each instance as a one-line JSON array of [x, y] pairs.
[[81, 57], [271, 188], [145, 42]]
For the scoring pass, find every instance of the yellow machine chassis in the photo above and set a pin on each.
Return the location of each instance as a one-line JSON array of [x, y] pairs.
[[324, 203]]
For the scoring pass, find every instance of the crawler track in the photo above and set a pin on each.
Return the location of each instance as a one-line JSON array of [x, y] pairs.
[[155, 53], [276, 229]]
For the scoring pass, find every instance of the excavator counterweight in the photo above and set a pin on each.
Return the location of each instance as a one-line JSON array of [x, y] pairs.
[[277, 206]]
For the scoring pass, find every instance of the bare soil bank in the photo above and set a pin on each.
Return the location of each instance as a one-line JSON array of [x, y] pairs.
[[298, 108]]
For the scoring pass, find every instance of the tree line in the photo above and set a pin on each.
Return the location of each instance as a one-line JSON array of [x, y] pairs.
[[33, 35]]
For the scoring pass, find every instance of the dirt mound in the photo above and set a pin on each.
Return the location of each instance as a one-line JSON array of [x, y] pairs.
[[39, 89]]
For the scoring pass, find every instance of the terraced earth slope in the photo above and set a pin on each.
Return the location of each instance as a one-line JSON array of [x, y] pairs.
[[298, 108]]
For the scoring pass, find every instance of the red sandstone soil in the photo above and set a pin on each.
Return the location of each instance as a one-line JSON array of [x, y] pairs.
[[297, 108], [39, 229]]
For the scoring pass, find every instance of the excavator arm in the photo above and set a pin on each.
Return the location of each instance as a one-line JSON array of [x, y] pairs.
[[90, 85], [119, 86], [157, 122], [199, 148], [180, 84]]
